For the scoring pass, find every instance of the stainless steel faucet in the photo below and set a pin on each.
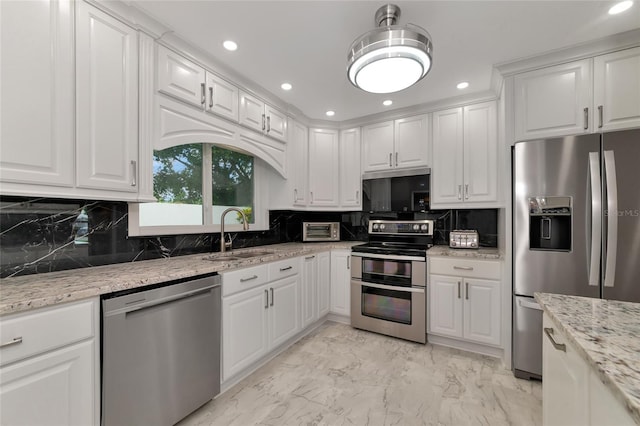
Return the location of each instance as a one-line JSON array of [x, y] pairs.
[[224, 245]]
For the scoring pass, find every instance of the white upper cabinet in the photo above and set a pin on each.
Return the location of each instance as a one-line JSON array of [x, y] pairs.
[[107, 101], [553, 101], [616, 94], [465, 150], [401, 143], [185, 80], [257, 115], [298, 149], [37, 102], [350, 176], [324, 182]]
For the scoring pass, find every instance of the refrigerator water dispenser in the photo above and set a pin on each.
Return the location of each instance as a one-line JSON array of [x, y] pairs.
[[550, 223]]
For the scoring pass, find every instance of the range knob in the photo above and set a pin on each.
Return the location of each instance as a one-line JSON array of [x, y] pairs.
[[375, 226], [416, 227], [382, 226], [424, 227]]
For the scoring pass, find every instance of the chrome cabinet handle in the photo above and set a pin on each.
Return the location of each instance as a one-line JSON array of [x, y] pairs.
[[244, 280], [357, 194], [210, 97], [268, 124], [464, 268], [263, 122], [459, 192], [458, 289], [134, 172], [311, 197], [466, 191], [295, 195], [266, 300], [586, 118], [203, 96], [466, 291], [390, 160], [396, 159], [599, 116], [286, 269], [15, 341], [559, 346], [348, 262], [310, 257], [272, 300]]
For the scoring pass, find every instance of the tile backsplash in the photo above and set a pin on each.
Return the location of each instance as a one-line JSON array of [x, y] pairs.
[[42, 235]]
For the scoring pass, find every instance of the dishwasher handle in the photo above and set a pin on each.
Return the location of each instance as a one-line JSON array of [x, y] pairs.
[[162, 301]]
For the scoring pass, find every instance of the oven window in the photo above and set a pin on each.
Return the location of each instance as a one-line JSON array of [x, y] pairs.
[[319, 230], [384, 271], [387, 305]]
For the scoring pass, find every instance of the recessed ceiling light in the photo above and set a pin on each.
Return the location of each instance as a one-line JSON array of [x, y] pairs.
[[286, 86], [230, 45], [330, 113], [387, 102], [463, 85], [620, 7]]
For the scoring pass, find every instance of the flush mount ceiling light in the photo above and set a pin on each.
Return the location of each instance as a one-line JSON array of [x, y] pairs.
[[389, 58], [462, 85], [230, 45], [286, 86]]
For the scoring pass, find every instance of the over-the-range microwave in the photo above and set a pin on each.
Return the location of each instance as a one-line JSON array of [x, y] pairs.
[[396, 190], [320, 231]]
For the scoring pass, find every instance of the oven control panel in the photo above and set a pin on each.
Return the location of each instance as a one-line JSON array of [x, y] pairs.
[[394, 227]]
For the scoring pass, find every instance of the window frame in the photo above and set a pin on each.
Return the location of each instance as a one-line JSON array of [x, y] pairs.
[[260, 198]]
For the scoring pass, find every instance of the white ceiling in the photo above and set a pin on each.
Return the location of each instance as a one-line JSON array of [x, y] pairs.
[[305, 43]]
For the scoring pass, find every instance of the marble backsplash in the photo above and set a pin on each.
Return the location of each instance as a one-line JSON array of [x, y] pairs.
[[44, 235]]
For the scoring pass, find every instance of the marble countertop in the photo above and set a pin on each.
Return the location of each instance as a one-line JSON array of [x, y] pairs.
[[606, 333], [479, 253], [19, 294]]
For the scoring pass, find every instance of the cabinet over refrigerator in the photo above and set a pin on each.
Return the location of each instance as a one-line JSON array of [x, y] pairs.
[[576, 228]]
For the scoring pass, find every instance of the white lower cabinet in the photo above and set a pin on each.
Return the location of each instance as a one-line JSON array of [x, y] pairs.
[[309, 290], [572, 393], [52, 375], [340, 282], [463, 304], [257, 317], [324, 283]]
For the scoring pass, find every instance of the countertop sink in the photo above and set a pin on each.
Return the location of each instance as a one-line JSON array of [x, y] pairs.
[[221, 257]]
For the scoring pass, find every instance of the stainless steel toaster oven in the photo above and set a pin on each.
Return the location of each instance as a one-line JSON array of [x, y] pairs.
[[320, 231]]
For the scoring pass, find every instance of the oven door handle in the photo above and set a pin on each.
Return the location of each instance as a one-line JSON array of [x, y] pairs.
[[388, 256], [389, 287]]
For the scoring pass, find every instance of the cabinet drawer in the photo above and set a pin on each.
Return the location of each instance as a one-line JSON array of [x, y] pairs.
[[465, 267], [244, 279], [284, 268], [45, 329]]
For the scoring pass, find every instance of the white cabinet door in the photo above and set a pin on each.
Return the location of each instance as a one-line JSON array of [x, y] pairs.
[[553, 101], [284, 310], [323, 167], [245, 336], [309, 290], [604, 408], [341, 282], [482, 310], [222, 97], [107, 101], [565, 390], [412, 142], [350, 176], [298, 150], [324, 283], [252, 112], [276, 125], [445, 305], [616, 96], [181, 78], [57, 387], [37, 80], [480, 153], [377, 146], [448, 151]]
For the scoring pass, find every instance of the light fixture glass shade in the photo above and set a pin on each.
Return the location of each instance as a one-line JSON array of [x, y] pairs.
[[390, 58]]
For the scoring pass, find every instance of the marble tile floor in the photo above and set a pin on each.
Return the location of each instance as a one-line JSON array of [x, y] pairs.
[[337, 375]]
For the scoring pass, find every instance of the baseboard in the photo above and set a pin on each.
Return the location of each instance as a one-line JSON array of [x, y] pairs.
[[342, 319], [466, 346]]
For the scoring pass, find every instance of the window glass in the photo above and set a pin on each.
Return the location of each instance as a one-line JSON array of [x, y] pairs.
[[177, 187], [232, 184]]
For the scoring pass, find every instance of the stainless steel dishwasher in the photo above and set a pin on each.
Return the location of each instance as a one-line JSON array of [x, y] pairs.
[[160, 352]]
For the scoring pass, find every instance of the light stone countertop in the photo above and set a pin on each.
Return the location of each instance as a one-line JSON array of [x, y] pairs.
[[606, 333], [19, 294], [479, 253]]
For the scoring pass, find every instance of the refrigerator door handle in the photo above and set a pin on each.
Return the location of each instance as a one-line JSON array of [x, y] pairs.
[[612, 218], [596, 219], [530, 305]]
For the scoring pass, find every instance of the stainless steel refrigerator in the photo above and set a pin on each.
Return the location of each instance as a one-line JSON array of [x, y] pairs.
[[576, 228]]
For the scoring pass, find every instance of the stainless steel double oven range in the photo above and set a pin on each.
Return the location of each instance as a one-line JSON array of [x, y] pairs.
[[388, 279]]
